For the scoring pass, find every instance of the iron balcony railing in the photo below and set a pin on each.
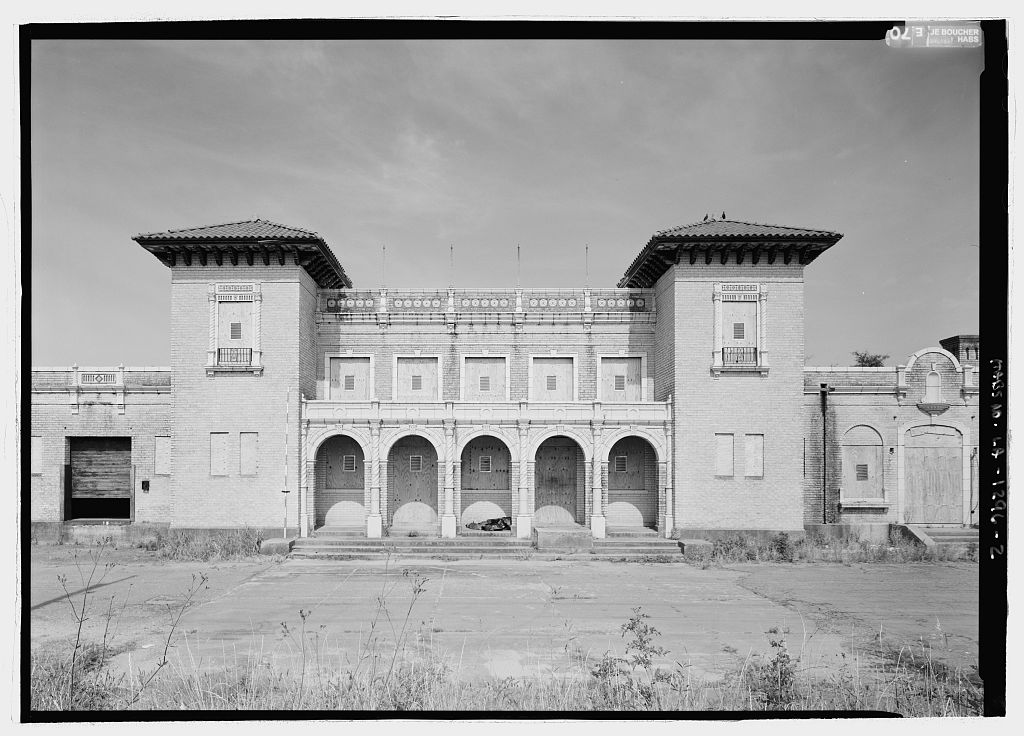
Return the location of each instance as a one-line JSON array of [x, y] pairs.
[[234, 356], [739, 356]]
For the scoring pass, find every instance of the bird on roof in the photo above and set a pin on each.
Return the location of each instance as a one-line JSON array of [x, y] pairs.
[[705, 217], [723, 214]]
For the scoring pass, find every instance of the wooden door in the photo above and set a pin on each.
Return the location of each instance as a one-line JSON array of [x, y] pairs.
[[933, 467], [632, 484], [412, 483], [101, 467], [555, 479]]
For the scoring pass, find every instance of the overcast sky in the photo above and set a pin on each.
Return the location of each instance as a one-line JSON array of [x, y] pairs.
[[549, 144]]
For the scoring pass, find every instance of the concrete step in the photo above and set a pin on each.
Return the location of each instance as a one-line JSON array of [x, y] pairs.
[[630, 531], [404, 542]]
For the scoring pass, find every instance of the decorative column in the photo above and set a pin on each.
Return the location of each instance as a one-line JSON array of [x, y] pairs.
[[668, 521], [762, 332], [457, 491], [448, 517], [374, 523], [597, 520], [211, 350], [303, 476], [524, 518], [716, 296]]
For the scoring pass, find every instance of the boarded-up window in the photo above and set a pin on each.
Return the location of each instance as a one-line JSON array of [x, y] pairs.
[[620, 379], [485, 463], [739, 324], [235, 320], [753, 456], [248, 448], [620, 463], [218, 453], [348, 463], [415, 463], [37, 455], [162, 455], [418, 379], [350, 379], [552, 379], [862, 458], [483, 379], [723, 454]]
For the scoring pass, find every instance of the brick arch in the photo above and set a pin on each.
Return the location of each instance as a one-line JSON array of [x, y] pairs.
[[435, 437], [538, 437], [510, 440], [942, 351], [862, 434], [316, 439], [656, 442]]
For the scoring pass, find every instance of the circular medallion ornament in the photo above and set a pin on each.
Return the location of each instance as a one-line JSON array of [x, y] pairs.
[[331, 303]]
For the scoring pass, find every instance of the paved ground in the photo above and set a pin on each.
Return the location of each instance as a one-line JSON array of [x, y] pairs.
[[505, 617]]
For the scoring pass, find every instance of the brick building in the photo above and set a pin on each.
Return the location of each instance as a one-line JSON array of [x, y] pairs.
[[678, 401]]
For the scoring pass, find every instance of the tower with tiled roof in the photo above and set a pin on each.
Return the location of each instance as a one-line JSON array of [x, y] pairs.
[[243, 346], [729, 349]]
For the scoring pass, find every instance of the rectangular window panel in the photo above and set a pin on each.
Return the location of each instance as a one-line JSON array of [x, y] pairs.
[[37, 456], [350, 379], [737, 331], [417, 379], [417, 383], [162, 456], [485, 463], [348, 463], [862, 472], [620, 463], [415, 463], [723, 454], [753, 456], [620, 378], [552, 383], [552, 379], [248, 452], [483, 378], [620, 383], [236, 330], [218, 453]]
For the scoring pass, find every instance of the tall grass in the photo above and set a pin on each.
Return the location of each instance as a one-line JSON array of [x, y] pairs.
[[819, 548], [230, 544], [397, 667]]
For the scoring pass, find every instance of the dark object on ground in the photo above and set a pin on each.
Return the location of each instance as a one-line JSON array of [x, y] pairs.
[[503, 524]]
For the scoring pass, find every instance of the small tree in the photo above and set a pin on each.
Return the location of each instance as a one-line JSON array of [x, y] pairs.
[[864, 359]]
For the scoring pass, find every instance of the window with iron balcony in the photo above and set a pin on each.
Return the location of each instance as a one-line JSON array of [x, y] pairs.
[[739, 329]]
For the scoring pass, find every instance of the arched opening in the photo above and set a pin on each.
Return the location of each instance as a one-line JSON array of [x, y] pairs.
[[933, 388], [632, 484], [933, 466], [863, 473], [559, 479], [412, 487], [486, 462], [340, 482]]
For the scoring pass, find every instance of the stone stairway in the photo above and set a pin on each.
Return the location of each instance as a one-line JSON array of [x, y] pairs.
[[949, 535], [351, 543]]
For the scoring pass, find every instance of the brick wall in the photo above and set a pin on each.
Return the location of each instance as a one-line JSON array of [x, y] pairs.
[[268, 404], [147, 414], [738, 404]]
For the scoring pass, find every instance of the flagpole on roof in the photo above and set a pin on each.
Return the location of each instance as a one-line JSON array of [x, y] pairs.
[[518, 267]]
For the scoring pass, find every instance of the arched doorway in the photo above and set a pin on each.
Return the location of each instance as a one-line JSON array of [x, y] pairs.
[[558, 482], [632, 484], [933, 461], [340, 483], [485, 493], [412, 487]]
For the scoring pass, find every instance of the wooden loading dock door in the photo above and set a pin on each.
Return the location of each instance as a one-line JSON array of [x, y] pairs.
[[99, 478]]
